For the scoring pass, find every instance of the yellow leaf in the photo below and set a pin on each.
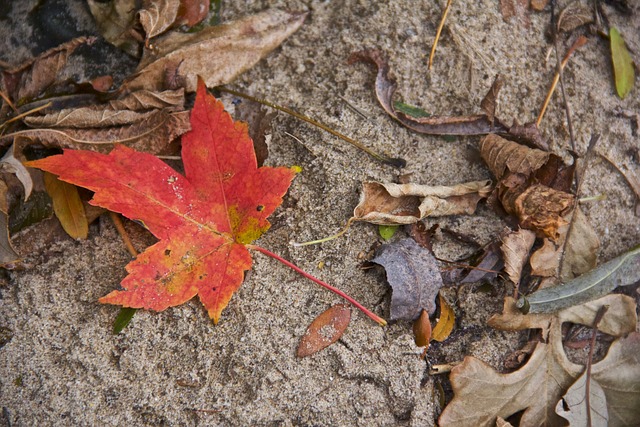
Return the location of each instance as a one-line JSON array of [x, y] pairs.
[[443, 328], [67, 206]]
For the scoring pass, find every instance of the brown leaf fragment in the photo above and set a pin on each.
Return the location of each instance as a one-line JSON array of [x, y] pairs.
[[87, 117], [218, 54], [414, 276], [422, 330], [8, 256], [539, 5], [581, 250], [147, 100], [115, 20], [193, 11], [515, 9], [391, 204], [421, 235], [574, 15], [541, 209], [386, 86], [28, 80], [545, 261], [515, 250], [157, 16], [153, 135], [490, 101], [325, 329], [259, 121], [102, 83]]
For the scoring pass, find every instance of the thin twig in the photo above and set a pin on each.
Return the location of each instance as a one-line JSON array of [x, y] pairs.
[[26, 113], [354, 108], [559, 71], [8, 101], [399, 163], [123, 233], [435, 42], [587, 389]]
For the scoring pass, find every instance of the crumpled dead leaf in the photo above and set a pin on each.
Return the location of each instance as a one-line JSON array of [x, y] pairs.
[[325, 329], [413, 274], [115, 20], [538, 206], [574, 15], [482, 394], [515, 250], [157, 16], [392, 204], [218, 54]]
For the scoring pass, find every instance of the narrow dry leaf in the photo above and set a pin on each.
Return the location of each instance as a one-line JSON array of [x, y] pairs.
[[147, 100], [67, 206], [414, 276], [482, 395], [445, 323], [218, 54], [87, 117], [392, 204], [325, 329], [623, 69], [515, 250], [152, 136], [574, 15], [386, 87], [157, 16], [623, 270], [115, 20], [30, 79], [573, 405], [422, 329]]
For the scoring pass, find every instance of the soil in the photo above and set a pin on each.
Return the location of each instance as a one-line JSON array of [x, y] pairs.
[[61, 365]]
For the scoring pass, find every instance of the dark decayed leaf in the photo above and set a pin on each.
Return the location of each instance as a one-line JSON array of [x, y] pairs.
[[218, 54], [259, 121], [8, 256], [621, 271], [490, 101], [623, 70], [325, 329], [414, 276], [115, 20], [435, 125], [38, 208]]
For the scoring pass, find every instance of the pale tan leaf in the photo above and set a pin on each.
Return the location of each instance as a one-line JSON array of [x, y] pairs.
[[147, 100], [218, 54], [157, 16], [573, 405], [115, 21], [546, 260], [574, 15], [67, 206], [515, 248], [12, 165], [500, 422], [87, 117], [390, 204]]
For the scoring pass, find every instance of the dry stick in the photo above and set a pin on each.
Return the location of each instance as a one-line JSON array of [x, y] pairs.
[[123, 233], [601, 312], [397, 162], [26, 113], [8, 101], [579, 180], [325, 285], [576, 45], [435, 42], [564, 94]]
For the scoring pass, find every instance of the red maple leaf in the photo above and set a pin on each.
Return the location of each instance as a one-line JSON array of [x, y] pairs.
[[203, 219]]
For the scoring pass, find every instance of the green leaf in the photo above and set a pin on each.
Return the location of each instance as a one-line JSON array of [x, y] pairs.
[[621, 271], [410, 110], [122, 320], [387, 231], [623, 70]]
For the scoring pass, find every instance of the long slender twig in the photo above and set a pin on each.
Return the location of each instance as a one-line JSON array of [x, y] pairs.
[[397, 162], [435, 42]]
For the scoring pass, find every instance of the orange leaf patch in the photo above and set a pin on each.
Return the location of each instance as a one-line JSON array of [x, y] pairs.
[[203, 219]]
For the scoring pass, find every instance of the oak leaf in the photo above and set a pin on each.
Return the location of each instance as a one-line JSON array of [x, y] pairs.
[[203, 218]]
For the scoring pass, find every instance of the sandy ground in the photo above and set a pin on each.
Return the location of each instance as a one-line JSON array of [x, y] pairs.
[[59, 362]]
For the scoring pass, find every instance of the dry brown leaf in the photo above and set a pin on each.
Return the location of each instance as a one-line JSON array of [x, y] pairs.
[[515, 250], [482, 394], [422, 329], [490, 101], [574, 15], [218, 54], [503, 156], [445, 323], [325, 329], [157, 16], [86, 118], [193, 11], [539, 4], [392, 204], [28, 80], [152, 136], [115, 20], [147, 100], [515, 9]]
